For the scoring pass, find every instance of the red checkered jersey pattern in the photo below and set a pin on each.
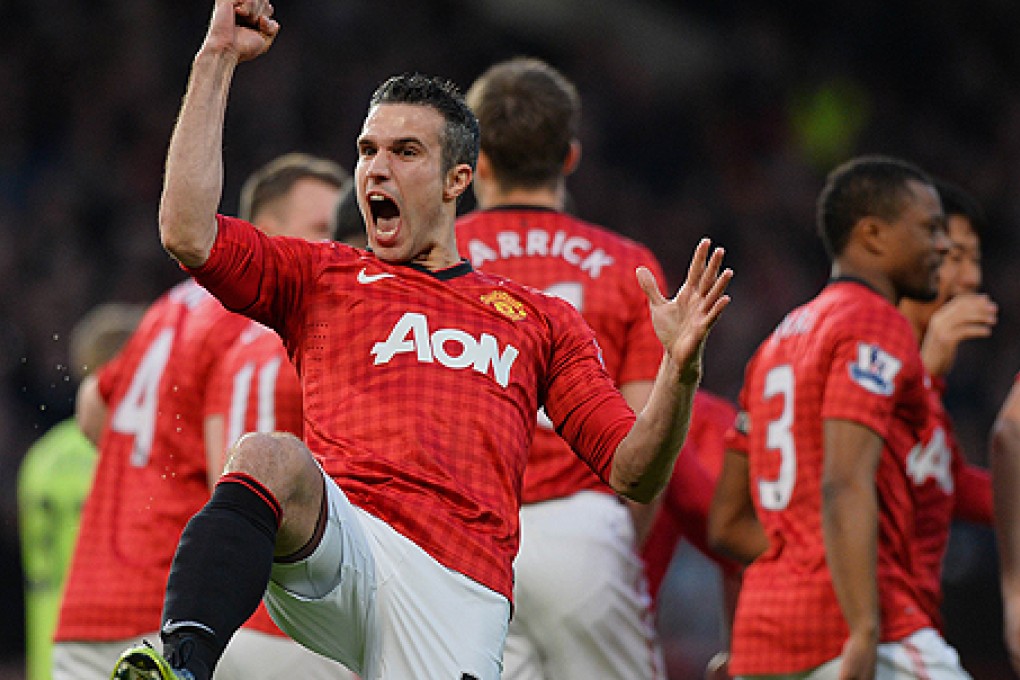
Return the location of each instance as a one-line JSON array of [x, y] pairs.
[[420, 388], [849, 355], [944, 485], [688, 497], [151, 472], [592, 268], [255, 388]]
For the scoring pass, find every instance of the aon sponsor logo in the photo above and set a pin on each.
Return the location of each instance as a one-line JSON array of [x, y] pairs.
[[450, 347]]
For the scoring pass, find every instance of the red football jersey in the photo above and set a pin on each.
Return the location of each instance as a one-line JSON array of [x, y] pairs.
[[688, 498], [592, 268], [255, 388], [151, 472], [420, 388], [849, 355]]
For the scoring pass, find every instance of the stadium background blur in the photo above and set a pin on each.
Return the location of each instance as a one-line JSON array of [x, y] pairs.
[[715, 117]]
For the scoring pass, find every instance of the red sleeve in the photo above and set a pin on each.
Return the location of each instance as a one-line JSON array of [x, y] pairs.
[[259, 276], [870, 361], [973, 501], [581, 399], [689, 500]]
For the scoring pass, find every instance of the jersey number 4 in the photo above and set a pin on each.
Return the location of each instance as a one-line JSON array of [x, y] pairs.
[[136, 413], [934, 460]]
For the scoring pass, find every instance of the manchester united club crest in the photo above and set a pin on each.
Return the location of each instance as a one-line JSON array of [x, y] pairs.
[[505, 304]]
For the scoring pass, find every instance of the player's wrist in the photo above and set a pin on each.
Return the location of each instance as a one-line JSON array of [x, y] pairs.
[[688, 369], [215, 57], [866, 631]]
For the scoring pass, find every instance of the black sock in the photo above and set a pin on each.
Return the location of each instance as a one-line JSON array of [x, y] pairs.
[[219, 573]]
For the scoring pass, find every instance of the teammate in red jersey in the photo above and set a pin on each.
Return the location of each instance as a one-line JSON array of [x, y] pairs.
[[153, 474], [582, 607], [835, 401], [421, 379], [945, 485], [1005, 459], [150, 478]]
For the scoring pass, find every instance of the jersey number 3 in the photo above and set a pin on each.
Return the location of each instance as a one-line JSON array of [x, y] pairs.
[[774, 494]]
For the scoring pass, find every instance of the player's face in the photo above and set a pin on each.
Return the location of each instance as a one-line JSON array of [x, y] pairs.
[[400, 184], [919, 235], [307, 210], [961, 269]]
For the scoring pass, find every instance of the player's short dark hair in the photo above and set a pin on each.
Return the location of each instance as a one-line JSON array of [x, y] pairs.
[[867, 186], [274, 179], [957, 201], [529, 114], [459, 138]]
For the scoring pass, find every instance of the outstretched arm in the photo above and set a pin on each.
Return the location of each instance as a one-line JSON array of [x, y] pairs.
[[1005, 460], [239, 30], [644, 459]]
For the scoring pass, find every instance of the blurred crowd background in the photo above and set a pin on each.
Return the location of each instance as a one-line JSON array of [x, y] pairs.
[[717, 117]]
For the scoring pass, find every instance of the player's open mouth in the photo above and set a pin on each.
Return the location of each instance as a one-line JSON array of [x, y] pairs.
[[385, 218], [382, 208]]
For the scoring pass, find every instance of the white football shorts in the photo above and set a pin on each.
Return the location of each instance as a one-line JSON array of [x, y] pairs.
[[372, 599]]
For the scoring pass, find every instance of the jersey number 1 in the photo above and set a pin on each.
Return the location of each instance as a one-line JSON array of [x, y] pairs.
[[265, 394]]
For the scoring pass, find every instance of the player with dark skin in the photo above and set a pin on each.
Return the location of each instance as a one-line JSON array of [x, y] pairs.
[[897, 256]]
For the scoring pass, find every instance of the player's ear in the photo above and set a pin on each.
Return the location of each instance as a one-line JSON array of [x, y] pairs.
[[871, 233], [573, 158], [458, 179]]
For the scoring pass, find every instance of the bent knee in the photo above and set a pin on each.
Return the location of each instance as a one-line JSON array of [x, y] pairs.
[[278, 460]]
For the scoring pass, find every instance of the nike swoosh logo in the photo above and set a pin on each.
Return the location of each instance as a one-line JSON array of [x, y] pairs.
[[364, 277], [172, 626]]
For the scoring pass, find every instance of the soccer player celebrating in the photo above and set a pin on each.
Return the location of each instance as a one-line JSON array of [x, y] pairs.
[[836, 402], [386, 537]]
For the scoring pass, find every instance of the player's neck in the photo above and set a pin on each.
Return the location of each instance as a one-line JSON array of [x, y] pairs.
[[541, 197], [873, 278]]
